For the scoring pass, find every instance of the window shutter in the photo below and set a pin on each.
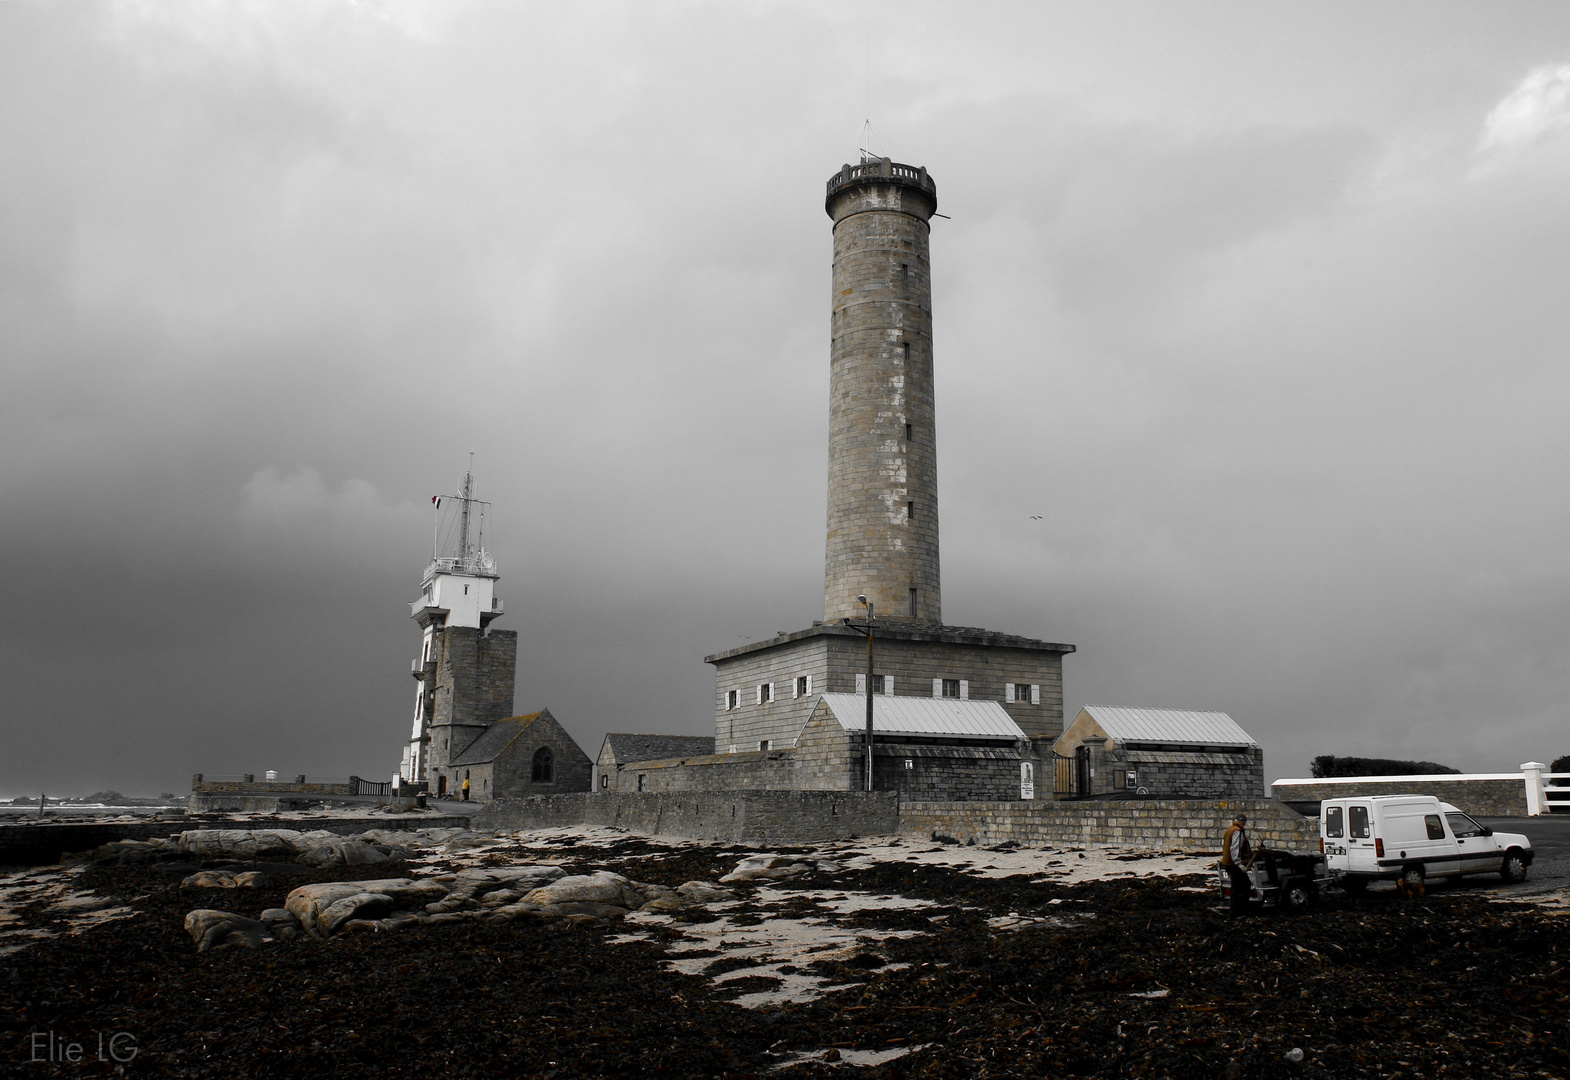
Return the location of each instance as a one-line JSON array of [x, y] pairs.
[[795, 689], [760, 693], [964, 689], [937, 687], [1035, 693], [809, 685], [888, 686], [861, 683], [1008, 692]]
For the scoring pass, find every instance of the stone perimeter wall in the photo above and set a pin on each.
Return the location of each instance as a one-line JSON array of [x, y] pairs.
[[266, 787], [1482, 798], [789, 816], [756, 817], [1183, 824]]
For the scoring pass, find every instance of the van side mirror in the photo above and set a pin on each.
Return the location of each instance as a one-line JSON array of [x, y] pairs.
[[1487, 831]]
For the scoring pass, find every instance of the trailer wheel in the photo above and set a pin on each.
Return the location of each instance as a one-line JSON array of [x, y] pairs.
[[1299, 895], [1513, 869]]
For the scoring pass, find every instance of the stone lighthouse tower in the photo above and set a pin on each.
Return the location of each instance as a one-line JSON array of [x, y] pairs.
[[883, 473], [982, 687]]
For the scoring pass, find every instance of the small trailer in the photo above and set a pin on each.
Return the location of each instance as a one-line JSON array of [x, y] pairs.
[[1281, 879]]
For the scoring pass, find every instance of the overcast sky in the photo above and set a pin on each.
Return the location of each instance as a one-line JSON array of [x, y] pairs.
[[1262, 308]]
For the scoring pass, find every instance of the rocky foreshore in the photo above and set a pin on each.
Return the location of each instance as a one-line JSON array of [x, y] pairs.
[[281, 952]]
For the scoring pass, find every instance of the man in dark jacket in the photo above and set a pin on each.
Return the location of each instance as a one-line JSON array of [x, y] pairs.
[[1236, 856]]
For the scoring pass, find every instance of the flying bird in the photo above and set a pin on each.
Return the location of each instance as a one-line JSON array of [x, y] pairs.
[[1035, 517]]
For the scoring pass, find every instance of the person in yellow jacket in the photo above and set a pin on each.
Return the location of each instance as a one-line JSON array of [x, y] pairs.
[[1237, 854], [465, 787]]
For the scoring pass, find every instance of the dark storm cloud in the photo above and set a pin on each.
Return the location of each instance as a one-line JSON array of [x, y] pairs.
[[1262, 323]]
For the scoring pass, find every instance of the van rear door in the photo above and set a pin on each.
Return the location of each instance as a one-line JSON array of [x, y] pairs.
[[1360, 839]]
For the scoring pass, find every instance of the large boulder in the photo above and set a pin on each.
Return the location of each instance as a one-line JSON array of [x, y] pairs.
[[341, 852], [703, 892], [767, 868], [601, 887], [309, 903], [362, 905], [213, 929], [242, 844], [281, 923]]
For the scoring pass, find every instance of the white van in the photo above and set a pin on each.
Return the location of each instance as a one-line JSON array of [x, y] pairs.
[[1412, 837]]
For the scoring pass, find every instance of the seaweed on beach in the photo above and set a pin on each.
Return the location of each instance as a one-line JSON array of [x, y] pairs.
[[1127, 977]]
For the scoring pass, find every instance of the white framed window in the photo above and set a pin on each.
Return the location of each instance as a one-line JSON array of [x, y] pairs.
[[1022, 693], [732, 699], [763, 744], [765, 692], [802, 686], [881, 684]]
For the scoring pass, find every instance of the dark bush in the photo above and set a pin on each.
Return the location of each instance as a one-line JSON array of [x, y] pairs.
[[1561, 764], [1329, 765]]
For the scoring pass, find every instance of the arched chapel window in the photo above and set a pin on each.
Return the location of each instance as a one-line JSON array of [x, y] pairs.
[[543, 766]]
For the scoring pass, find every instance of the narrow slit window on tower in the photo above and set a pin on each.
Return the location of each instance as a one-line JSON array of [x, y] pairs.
[[904, 271], [907, 433], [913, 603], [907, 350], [910, 510]]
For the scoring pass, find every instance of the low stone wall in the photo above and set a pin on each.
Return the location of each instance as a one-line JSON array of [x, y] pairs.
[[268, 787], [218, 802], [1483, 795], [763, 770], [1182, 824], [763, 817], [754, 817]]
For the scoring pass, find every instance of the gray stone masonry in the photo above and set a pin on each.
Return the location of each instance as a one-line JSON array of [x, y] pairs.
[[501, 762], [1179, 775], [717, 773], [764, 817], [1484, 798], [475, 672], [752, 817], [882, 535], [1183, 824], [912, 656]]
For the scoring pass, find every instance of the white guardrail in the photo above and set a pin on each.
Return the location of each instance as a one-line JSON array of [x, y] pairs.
[[1546, 792]]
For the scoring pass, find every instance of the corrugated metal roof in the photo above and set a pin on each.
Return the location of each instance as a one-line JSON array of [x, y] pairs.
[[948, 717], [1169, 726]]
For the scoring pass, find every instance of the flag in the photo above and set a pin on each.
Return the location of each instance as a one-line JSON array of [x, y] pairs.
[[437, 499]]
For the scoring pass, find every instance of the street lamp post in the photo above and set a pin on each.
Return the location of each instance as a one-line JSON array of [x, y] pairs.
[[866, 628]]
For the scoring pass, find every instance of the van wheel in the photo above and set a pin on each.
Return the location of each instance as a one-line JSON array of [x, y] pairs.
[[1513, 869], [1299, 895], [1412, 877]]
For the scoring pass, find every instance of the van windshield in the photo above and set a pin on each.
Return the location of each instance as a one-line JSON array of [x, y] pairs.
[[1333, 822], [1357, 820], [1463, 826]]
